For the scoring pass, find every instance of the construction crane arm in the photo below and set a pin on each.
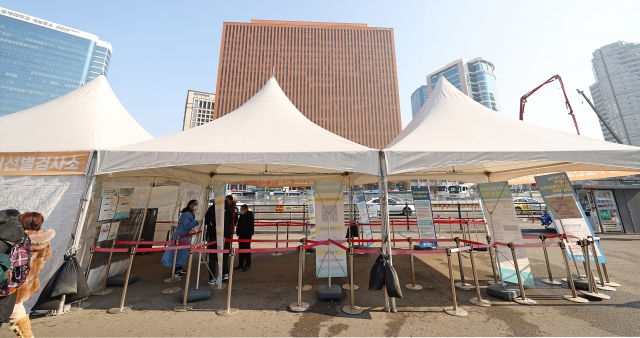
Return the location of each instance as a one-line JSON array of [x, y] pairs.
[[523, 99], [615, 136]]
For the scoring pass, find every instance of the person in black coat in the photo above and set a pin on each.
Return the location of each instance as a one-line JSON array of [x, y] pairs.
[[11, 232], [244, 230], [230, 218], [210, 223]]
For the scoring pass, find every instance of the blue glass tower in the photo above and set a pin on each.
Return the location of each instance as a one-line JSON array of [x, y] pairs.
[[418, 98], [41, 60]]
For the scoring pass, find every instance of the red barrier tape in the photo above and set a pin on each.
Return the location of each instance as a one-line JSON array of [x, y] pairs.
[[201, 245], [418, 252], [111, 249], [222, 251], [339, 245], [546, 237], [537, 245], [423, 240], [262, 241], [475, 244], [266, 250], [143, 242], [191, 234]]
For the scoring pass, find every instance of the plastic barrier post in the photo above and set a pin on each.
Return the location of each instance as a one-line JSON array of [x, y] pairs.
[[493, 267], [573, 297], [277, 236], [413, 285], [593, 289], [462, 285], [171, 288], [351, 309], [300, 306], [606, 277], [122, 308], [184, 307], [602, 285], [453, 310], [348, 285], [523, 298], [106, 291], [477, 300], [546, 259], [229, 310]]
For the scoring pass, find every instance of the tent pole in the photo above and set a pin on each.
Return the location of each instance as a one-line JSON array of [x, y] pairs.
[[84, 207], [384, 215]]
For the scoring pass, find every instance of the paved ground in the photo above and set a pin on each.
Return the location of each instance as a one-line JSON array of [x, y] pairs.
[[264, 293]]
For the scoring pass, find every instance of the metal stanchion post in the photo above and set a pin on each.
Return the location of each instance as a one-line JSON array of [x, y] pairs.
[[606, 277], [122, 308], [573, 297], [184, 306], [493, 268], [546, 259], [288, 232], [348, 285], [453, 310], [171, 288], [106, 291], [300, 306], [603, 285], [351, 309], [523, 298], [593, 289], [462, 285], [477, 300], [305, 287], [229, 310], [413, 285], [277, 238]]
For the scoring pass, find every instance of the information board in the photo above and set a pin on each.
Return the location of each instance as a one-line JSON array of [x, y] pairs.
[[329, 209], [363, 214], [125, 201], [424, 215]]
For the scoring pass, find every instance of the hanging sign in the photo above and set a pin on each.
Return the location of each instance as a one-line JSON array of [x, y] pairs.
[[104, 232], [108, 204], [331, 260], [219, 194], [500, 213], [43, 164], [567, 212], [424, 215], [312, 214], [125, 201], [363, 214], [113, 231]]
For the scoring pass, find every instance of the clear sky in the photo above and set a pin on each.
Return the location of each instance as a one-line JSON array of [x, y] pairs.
[[164, 48]]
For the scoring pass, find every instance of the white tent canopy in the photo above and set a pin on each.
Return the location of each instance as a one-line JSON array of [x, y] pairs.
[[266, 138], [453, 137], [88, 118]]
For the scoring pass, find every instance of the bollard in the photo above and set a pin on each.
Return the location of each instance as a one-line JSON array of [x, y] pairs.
[[277, 237], [523, 298], [106, 291], [305, 287], [351, 309], [228, 311], [602, 285], [300, 306], [546, 259], [493, 267], [122, 308], [606, 277], [171, 288], [348, 285], [413, 285], [477, 300], [573, 297], [462, 285], [453, 310], [184, 307], [593, 289]]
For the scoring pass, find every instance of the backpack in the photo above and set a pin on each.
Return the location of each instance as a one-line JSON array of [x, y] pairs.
[[20, 257]]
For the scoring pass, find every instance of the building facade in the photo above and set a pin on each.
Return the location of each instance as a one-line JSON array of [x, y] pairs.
[[41, 60], [198, 109], [418, 98], [616, 93], [474, 78], [341, 76]]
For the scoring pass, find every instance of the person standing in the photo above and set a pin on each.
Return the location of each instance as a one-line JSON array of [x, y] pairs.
[[210, 223], [186, 222], [245, 230], [230, 218], [40, 243], [11, 232]]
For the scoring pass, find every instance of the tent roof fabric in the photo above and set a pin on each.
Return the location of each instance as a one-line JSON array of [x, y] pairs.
[[267, 137], [88, 118], [454, 137]]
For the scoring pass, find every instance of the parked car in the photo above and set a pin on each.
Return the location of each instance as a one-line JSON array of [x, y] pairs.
[[525, 205], [395, 207]]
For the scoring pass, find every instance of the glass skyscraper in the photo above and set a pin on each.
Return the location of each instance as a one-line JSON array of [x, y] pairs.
[[616, 93], [41, 60], [475, 78], [418, 98]]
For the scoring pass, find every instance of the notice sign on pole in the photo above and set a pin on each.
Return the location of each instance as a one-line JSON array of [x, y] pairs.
[[424, 214], [566, 210], [497, 207], [311, 201], [329, 209], [219, 194], [363, 214]]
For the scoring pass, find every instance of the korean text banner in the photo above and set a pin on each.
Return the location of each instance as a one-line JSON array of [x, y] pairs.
[[498, 210], [331, 260], [570, 219], [43, 164], [424, 215]]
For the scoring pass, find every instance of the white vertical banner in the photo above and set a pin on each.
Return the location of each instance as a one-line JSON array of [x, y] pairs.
[[498, 210], [219, 193], [311, 202], [329, 209], [424, 216], [363, 214]]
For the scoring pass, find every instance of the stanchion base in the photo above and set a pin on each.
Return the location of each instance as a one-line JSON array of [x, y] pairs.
[[615, 285], [413, 286], [276, 254], [550, 282], [526, 301], [225, 312], [606, 287], [348, 287], [352, 310], [481, 302], [455, 312], [117, 310], [182, 308], [576, 299], [499, 291], [175, 279], [305, 287], [464, 286], [329, 293], [595, 295], [216, 288], [171, 290], [103, 293], [302, 307]]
